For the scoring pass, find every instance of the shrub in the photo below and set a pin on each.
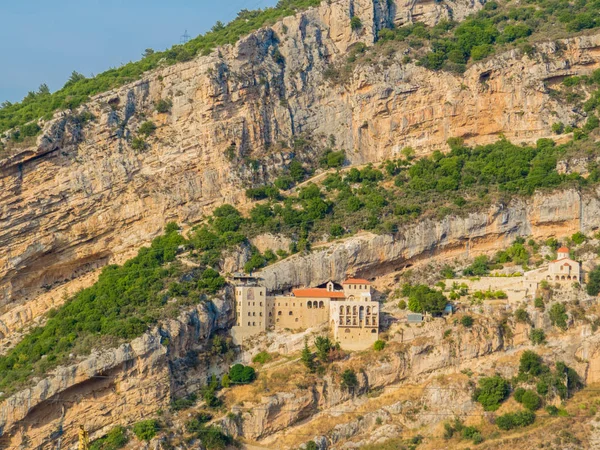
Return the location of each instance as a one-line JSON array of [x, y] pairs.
[[349, 379], [402, 304], [539, 303], [379, 345], [531, 400], [147, 128], [447, 272], [492, 391], [163, 106], [558, 128], [519, 419], [240, 374], [311, 445], [115, 439], [262, 358], [466, 321], [423, 299], [593, 285], [578, 238], [138, 144], [530, 363], [145, 430], [537, 336], [333, 159], [521, 316], [558, 316], [355, 23], [518, 394]]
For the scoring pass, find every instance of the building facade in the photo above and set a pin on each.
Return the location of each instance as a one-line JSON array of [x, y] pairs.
[[350, 311], [563, 268]]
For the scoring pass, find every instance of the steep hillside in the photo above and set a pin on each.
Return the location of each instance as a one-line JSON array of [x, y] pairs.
[[83, 196], [386, 140]]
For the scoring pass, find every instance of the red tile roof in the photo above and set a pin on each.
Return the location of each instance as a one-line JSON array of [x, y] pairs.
[[563, 250], [356, 281], [317, 293]]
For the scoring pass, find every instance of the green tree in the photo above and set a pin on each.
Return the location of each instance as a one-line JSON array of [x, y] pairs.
[[593, 284], [423, 299], [558, 316], [307, 357], [379, 345], [349, 379], [530, 363], [240, 374], [492, 391]]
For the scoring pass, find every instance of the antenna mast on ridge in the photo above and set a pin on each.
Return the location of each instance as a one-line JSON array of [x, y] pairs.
[[185, 37]]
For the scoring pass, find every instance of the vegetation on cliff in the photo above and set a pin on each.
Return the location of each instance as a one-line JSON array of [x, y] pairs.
[[120, 306], [78, 89], [383, 198]]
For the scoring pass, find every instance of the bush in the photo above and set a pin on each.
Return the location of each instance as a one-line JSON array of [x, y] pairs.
[[355, 23], [492, 391], [518, 394], [349, 379], [530, 363], [539, 303], [402, 304], [423, 299], [593, 284], [262, 358], [558, 316], [520, 419], [138, 144], [558, 128], [466, 321], [311, 445], [531, 400], [537, 336], [333, 159], [145, 430], [163, 106], [115, 439], [240, 374], [147, 128], [578, 238], [379, 345], [521, 316]]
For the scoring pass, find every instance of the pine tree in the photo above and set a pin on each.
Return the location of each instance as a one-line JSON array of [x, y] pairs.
[[307, 357]]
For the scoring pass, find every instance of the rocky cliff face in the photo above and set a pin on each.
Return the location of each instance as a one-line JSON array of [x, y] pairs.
[[367, 255], [116, 386], [82, 197]]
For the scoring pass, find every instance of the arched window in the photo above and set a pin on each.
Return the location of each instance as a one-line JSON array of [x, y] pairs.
[[342, 309], [291, 313], [348, 310], [347, 330], [368, 310], [373, 330], [321, 305], [361, 313], [309, 304], [354, 310], [279, 313]]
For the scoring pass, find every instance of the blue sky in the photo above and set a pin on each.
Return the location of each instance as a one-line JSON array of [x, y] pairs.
[[43, 41]]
